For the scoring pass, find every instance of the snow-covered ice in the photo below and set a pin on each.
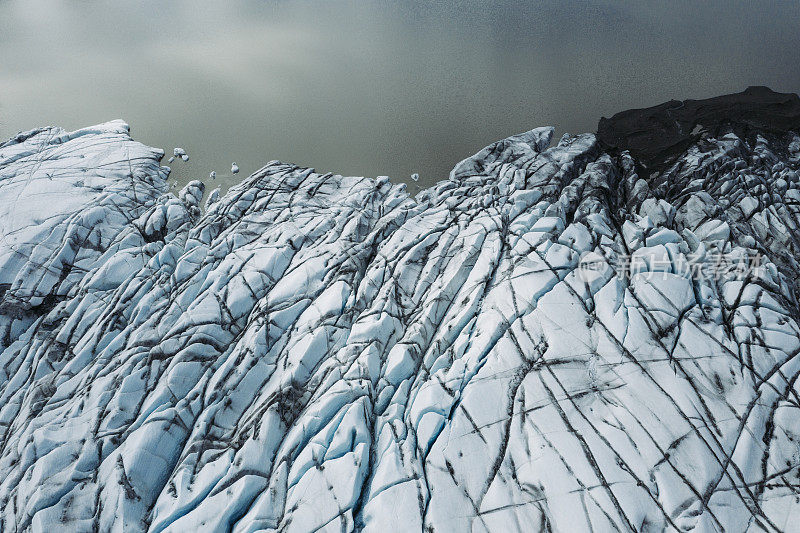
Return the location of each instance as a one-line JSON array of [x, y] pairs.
[[524, 346], [180, 152]]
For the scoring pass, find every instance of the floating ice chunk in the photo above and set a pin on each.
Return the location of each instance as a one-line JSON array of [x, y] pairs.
[[180, 152], [234, 168], [213, 175], [415, 176]]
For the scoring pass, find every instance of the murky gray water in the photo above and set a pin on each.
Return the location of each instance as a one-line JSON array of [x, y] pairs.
[[371, 87]]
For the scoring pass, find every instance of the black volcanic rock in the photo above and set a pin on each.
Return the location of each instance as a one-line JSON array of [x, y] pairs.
[[656, 135]]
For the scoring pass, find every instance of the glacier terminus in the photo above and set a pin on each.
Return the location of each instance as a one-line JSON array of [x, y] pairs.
[[597, 333]]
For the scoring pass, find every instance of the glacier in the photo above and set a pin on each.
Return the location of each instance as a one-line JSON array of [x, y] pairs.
[[553, 339]]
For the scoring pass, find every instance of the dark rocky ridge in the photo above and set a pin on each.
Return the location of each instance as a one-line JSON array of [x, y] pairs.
[[655, 136]]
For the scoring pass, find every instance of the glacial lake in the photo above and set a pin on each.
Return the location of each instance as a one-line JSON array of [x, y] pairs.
[[371, 87]]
